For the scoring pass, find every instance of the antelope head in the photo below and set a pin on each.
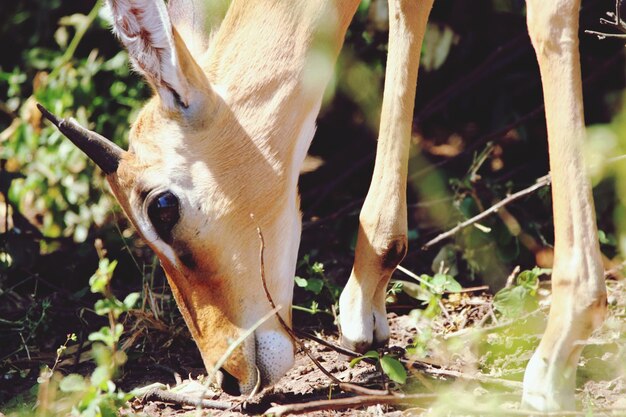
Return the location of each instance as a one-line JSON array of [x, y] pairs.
[[222, 138]]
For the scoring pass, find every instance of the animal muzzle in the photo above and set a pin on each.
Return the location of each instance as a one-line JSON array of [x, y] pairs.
[[230, 385], [273, 357]]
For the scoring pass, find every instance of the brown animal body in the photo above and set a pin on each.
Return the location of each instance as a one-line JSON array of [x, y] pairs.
[[225, 136]]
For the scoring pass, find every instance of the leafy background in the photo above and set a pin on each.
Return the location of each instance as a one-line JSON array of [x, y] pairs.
[[479, 135]]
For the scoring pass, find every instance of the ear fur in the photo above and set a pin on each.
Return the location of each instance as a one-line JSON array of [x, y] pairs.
[[145, 29]]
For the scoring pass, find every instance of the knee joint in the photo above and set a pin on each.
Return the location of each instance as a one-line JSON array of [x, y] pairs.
[[552, 30], [598, 309], [393, 252]]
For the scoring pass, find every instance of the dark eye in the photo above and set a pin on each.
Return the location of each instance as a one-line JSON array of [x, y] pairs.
[[164, 213]]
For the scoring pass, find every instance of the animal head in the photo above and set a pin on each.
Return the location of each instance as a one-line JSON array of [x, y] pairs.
[[189, 182]]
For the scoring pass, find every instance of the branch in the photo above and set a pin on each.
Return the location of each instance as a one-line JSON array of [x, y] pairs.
[[345, 386], [541, 182], [616, 22], [158, 394], [602, 35], [500, 133], [350, 402]]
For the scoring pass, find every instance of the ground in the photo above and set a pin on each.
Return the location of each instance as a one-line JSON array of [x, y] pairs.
[[473, 366], [478, 121]]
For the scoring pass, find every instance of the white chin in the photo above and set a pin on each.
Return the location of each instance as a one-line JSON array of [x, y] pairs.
[[274, 355]]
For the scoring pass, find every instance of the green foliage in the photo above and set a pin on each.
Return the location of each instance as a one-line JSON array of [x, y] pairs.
[[420, 346], [394, 289], [387, 363], [429, 290], [60, 191], [101, 279], [324, 293], [521, 298], [95, 395]]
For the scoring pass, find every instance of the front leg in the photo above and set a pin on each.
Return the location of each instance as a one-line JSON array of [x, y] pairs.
[[382, 236], [578, 289]]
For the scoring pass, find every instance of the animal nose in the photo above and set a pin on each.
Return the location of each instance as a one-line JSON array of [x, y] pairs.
[[229, 383]]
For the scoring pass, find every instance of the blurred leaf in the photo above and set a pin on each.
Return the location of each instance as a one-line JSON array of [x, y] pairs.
[[131, 299], [438, 43], [513, 302], [100, 280], [73, 383], [372, 354], [415, 290]]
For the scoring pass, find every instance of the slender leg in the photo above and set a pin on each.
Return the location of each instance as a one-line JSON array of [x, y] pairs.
[[382, 241], [578, 289]]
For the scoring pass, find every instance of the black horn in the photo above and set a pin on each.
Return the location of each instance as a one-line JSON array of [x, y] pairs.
[[99, 149]]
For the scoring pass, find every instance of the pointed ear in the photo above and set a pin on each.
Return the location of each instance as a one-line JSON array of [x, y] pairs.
[[156, 50]]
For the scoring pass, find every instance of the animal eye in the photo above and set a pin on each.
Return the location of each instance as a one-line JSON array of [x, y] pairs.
[[164, 213]]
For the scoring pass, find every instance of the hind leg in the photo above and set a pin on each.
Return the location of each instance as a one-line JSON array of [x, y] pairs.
[[578, 289]]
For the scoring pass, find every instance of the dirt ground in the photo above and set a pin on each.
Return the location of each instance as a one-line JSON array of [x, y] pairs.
[[473, 365]]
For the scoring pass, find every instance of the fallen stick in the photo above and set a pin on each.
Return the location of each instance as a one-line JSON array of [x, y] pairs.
[[427, 367], [158, 394], [288, 329], [330, 345], [540, 183], [349, 402], [345, 386], [478, 377]]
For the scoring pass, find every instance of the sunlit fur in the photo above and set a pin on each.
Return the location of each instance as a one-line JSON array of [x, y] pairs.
[[227, 131], [227, 136]]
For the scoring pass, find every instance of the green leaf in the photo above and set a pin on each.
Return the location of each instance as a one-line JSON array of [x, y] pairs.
[[103, 307], [72, 383], [314, 285], [101, 375], [103, 335], [415, 290], [317, 268], [100, 280], [131, 300], [515, 301], [106, 336], [452, 285], [439, 282], [394, 369], [118, 330], [372, 354]]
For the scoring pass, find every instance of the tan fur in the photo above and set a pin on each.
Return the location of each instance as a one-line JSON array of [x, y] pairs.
[[229, 156], [236, 147]]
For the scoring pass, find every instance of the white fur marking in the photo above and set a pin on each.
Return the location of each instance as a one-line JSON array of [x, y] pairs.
[[274, 355], [144, 28]]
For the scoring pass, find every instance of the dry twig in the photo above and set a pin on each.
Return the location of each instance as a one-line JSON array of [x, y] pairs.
[[343, 403], [540, 183], [616, 22], [345, 386], [158, 394]]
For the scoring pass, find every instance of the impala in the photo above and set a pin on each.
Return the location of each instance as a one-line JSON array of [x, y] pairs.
[[226, 132]]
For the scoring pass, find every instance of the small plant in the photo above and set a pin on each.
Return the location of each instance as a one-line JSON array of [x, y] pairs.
[[393, 291], [96, 395], [429, 289], [520, 298], [387, 363], [316, 283]]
